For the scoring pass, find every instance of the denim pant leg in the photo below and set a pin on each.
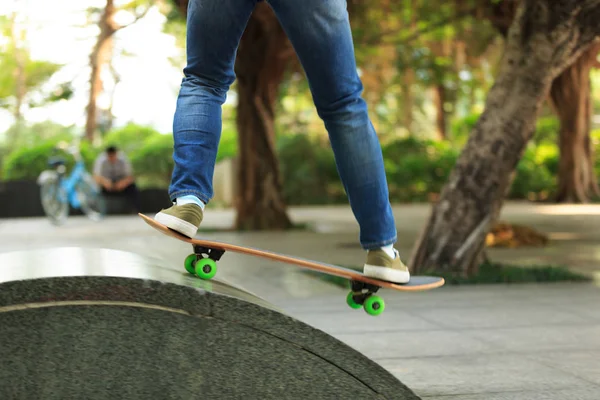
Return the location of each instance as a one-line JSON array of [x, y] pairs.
[[214, 29], [320, 33]]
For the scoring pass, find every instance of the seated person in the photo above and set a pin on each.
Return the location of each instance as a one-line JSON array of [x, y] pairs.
[[113, 172]]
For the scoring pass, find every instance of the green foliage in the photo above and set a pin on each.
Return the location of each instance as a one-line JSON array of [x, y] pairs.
[[308, 171], [595, 137], [28, 163], [228, 145], [461, 128], [153, 162], [35, 73], [31, 135], [15, 61], [547, 130], [534, 179], [150, 152], [130, 137], [491, 273], [417, 168]]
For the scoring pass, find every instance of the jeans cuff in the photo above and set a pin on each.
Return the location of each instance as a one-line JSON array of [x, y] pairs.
[[180, 193], [376, 245]]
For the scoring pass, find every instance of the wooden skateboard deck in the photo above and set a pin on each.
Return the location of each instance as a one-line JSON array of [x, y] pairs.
[[206, 250]]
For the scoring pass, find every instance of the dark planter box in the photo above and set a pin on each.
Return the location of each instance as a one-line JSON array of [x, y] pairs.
[[20, 199]]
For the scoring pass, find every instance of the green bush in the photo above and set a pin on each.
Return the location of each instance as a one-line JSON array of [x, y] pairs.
[[461, 128], [308, 171], [28, 163], [417, 168], [595, 136], [153, 162], [153, 159], [547, 130], [228, 145], [533, 179], [129, 138]]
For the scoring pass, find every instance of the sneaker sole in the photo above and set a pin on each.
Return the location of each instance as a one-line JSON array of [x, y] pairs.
[[386, 274], [177, 224]]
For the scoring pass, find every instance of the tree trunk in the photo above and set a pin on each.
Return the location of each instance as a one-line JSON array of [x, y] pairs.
[[98, 58], [20, 77], [570, 94], [544, 38], [407, 97], [262, 57], [439, 97], [17, 40]]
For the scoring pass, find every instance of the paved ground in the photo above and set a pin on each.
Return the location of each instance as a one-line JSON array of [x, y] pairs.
[[471, 342]]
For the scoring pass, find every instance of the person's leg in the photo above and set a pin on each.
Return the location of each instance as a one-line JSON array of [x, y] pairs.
[[320, 33], [214, 29], [133, 195]]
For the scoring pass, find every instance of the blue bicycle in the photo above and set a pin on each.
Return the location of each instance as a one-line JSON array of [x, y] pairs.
[[59, 191]]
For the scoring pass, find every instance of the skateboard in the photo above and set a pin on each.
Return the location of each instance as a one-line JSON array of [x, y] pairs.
[[203, 264]]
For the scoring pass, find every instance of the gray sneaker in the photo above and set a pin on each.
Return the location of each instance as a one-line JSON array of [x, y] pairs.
[[381, 266], [184, 219]]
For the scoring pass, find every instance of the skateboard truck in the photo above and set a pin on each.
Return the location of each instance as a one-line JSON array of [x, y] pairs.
[[362, 295], [203, 262], [214, 254]]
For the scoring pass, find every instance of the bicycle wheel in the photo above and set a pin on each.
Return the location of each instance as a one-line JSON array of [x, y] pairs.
[[54, 201], [90, 198]]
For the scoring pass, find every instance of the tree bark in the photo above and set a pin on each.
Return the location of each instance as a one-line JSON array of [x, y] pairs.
[[262, 58], [98, 58], [407, 99], [544, 38], [571, 98], [439, 97], [20, 75]]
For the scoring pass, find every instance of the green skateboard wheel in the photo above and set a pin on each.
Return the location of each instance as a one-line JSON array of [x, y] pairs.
[[189, 264], [350, 301], [374, 305], [206, 268]]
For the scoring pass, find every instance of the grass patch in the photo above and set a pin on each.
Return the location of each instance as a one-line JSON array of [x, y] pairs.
[[503, 273], [489, 273]]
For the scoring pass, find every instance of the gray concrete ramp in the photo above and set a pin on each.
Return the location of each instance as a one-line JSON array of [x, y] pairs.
[[81, 323]]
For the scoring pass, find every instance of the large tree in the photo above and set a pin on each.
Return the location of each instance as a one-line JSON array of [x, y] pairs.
[[262, 58], [570, 97], [545, 37], [101, 54]]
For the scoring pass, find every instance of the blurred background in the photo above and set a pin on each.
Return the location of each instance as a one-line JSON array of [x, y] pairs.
[[488, 113], [107, 72]]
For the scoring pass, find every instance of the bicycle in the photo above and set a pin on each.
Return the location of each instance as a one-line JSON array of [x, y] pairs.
[[59, 191]]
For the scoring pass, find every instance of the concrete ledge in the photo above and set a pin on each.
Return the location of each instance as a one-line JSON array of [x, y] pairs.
[[97, 324]]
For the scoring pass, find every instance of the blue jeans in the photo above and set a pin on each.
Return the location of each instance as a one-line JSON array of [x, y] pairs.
[[319, 31]]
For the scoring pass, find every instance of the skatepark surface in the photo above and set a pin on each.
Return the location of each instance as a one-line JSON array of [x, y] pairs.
[[534, 341], [99, 324]]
